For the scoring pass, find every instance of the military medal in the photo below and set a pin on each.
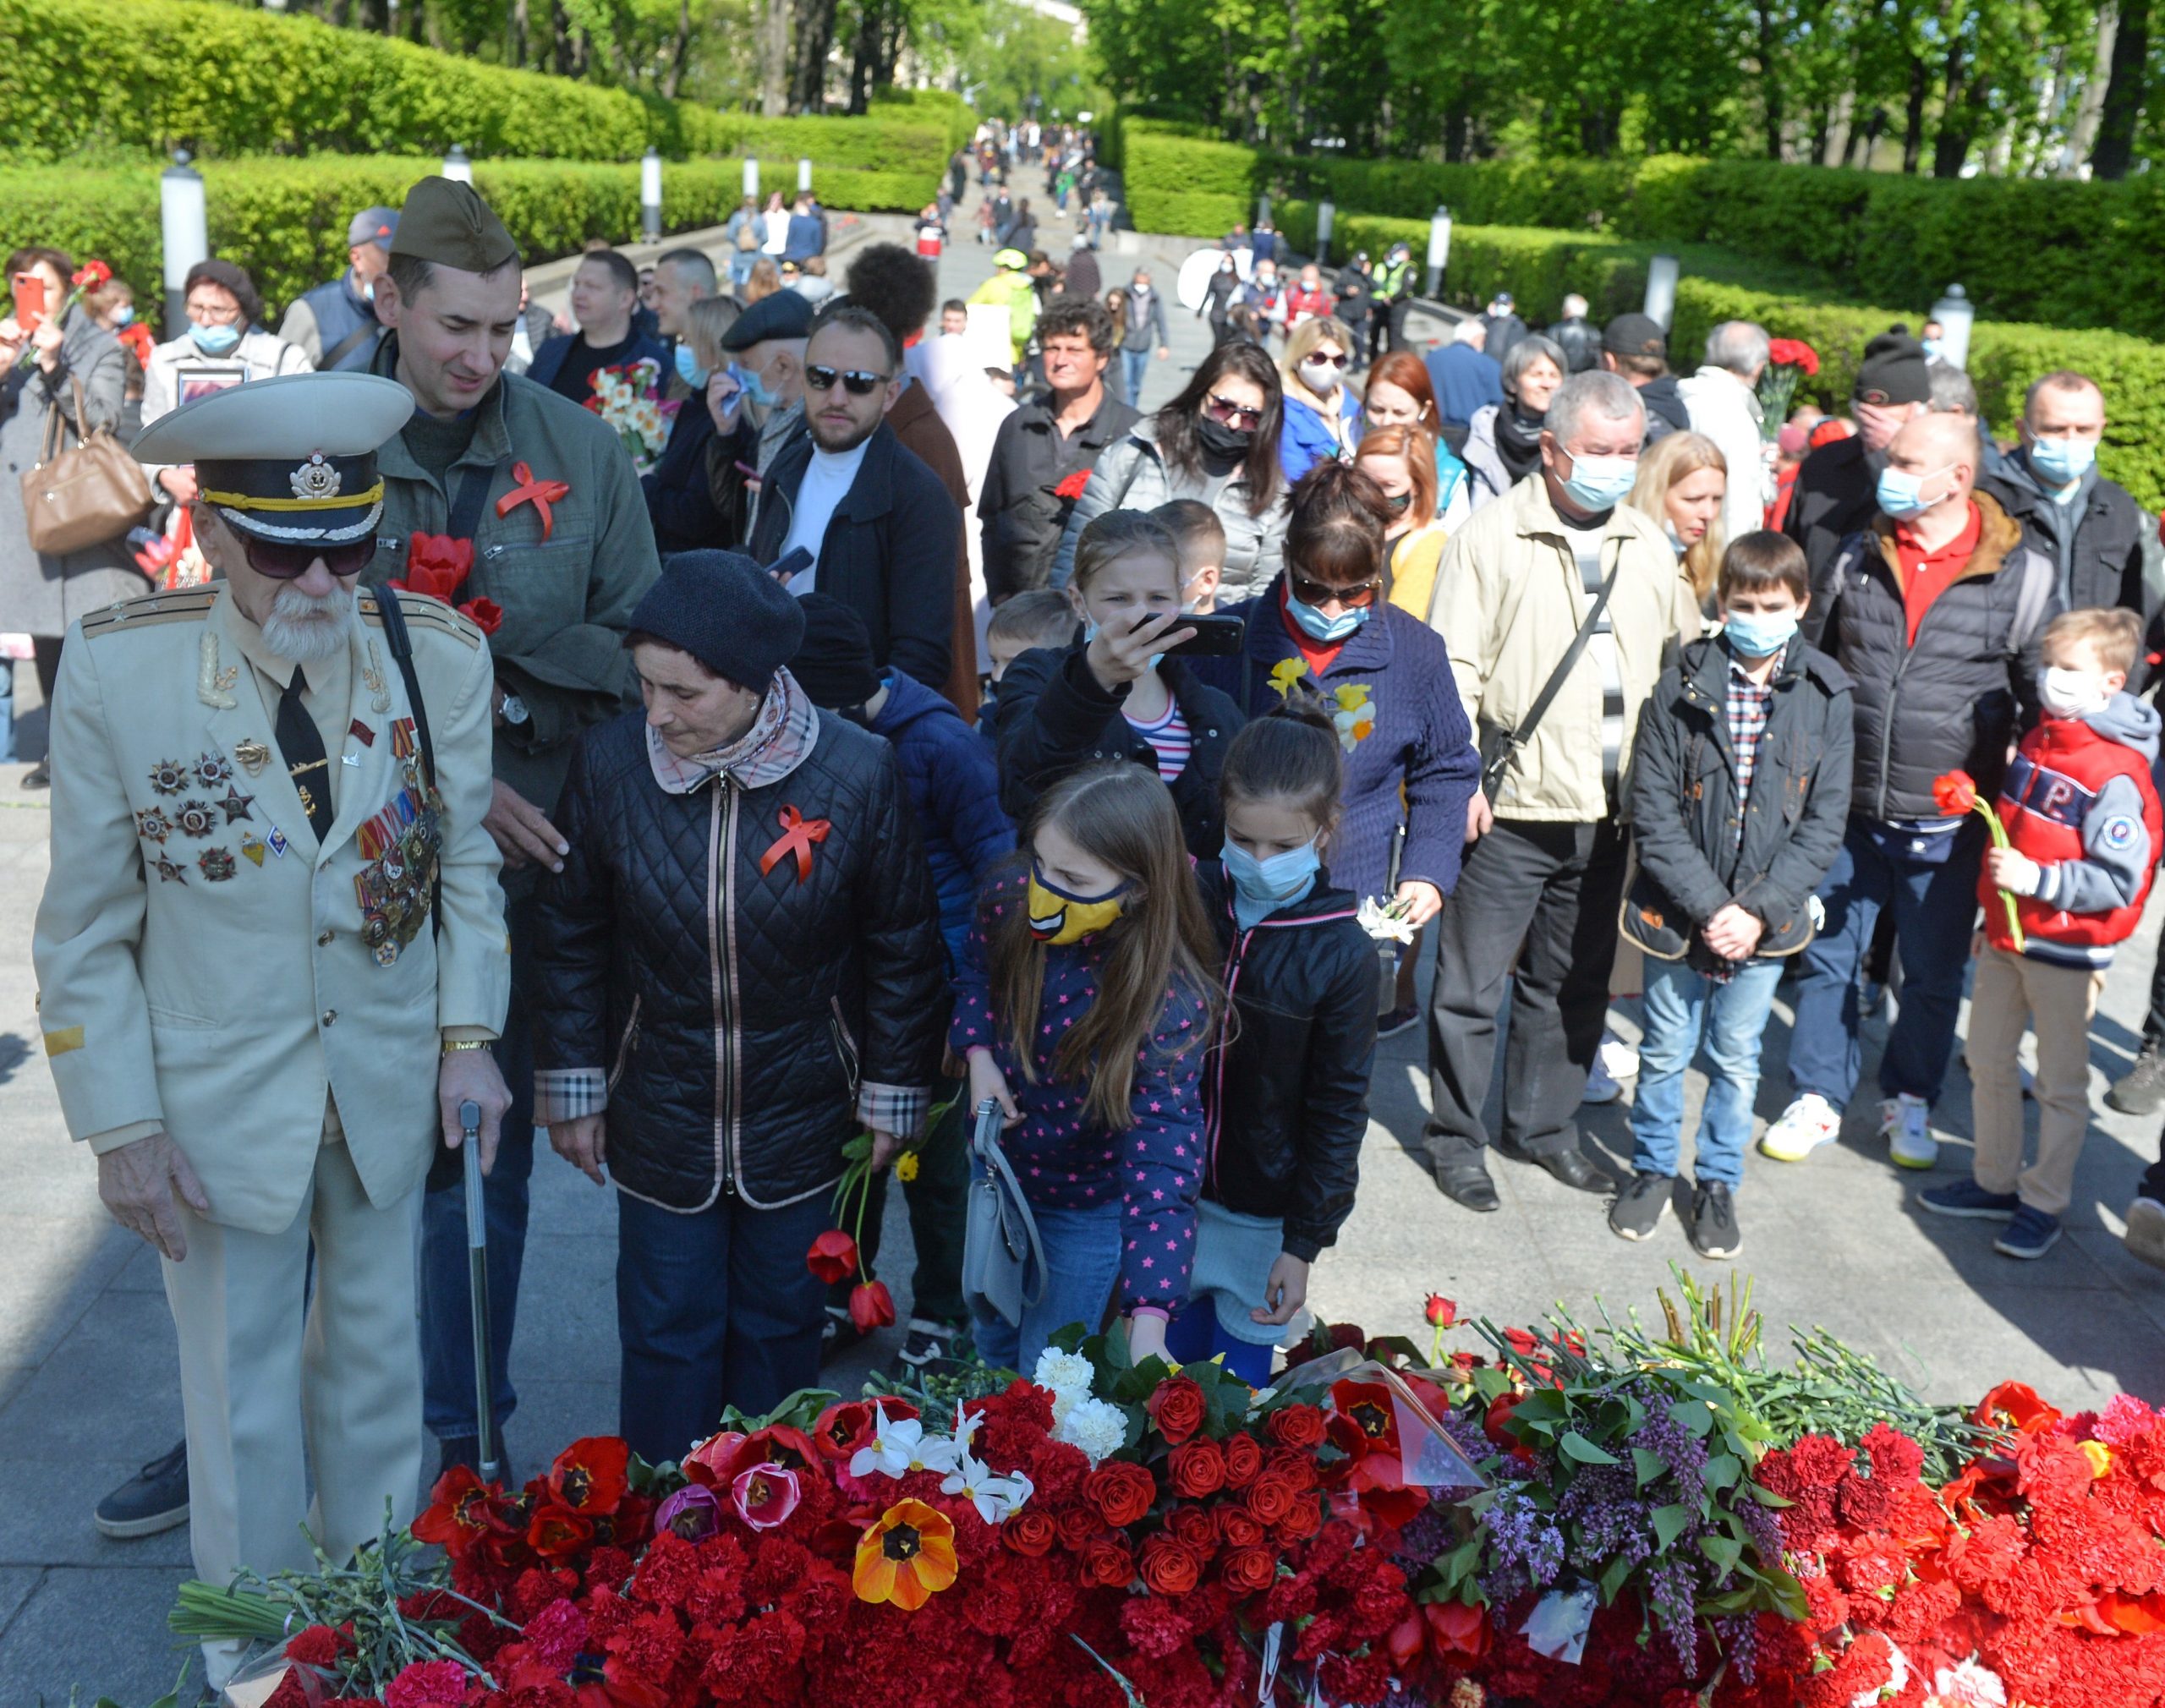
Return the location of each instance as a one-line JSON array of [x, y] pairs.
[[170, 873], [237, 805], [276, 841], [168, 776], [252, 755], [361, 732], [194, 819], [152, 824], [252, 847], [217, 864], [213, 769]]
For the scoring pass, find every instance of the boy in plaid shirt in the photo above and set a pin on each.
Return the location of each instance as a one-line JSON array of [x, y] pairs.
[[1740, 787]]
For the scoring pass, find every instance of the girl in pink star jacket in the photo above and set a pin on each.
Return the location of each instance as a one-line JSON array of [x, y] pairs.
[[1085, 1010]]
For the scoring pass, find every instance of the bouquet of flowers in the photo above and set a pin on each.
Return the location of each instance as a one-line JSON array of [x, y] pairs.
[[629, 397], [1788, 360]]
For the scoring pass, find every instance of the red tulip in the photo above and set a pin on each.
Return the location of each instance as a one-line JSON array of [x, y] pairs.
[[1955, 794], [487, 615], [833, 1256], [870, 1307], [1441, 1312]]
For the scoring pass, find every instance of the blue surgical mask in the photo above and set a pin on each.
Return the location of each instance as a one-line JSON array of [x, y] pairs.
[[123, 314], [1314, 624], [1091, 628], [2061, 461], [689, 368], [1599, 483], [215, 340], [755, 385], [1279, 879], [1758, 634], [1901, 494], [1933, 347]]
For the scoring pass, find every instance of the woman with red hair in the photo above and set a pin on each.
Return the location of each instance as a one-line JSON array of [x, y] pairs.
[[1398, 395]]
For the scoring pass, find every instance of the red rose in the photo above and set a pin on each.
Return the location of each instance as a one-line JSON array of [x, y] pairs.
[[1239, 1527], [1107, 1564], [1243, 1460], [1247, 1571], [1196, 1468], [1304, 1517], [1440, 1312], [1296, 1426], [1176, 1407], [1169, 1566], [1195, 1528], [1121, 1491], [1271, 1496], [871, 1306], [833, 1256], [1078, 1527], [1029, 1532]]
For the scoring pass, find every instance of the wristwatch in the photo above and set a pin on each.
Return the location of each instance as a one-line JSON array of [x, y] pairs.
[[512, 708]]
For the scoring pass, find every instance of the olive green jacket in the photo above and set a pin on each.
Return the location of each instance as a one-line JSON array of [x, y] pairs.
[[567, 594]]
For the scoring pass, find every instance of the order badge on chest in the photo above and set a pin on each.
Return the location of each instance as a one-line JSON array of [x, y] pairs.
[[401, 842]]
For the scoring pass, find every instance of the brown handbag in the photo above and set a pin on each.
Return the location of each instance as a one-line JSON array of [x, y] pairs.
[[85, 496]]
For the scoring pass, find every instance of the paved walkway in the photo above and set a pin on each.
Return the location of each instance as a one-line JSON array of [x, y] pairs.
[[88, 1387]]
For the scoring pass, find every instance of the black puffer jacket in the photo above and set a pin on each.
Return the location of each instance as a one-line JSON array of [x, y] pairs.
[[1286, 1102], [1054, 716], [737, 1010], [1954, 700], [1684, 806]]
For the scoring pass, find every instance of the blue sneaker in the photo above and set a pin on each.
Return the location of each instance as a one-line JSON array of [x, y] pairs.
[[1968, 1198], [2030, 1234]]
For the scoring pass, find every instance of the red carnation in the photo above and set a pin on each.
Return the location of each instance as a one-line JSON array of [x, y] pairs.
[[1196, 1468], [1071, 488], [833, 1256], [1793, 352], [1297, 1426], [1169, 1567], [1176, 1407], [871, 1306], [1121, 1491], [318, 1645]]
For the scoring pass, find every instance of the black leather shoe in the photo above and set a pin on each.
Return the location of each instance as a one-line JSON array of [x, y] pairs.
[[1575, 1168], [1466, 1184], [154, 1499]]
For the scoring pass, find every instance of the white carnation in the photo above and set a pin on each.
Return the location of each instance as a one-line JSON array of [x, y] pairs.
[[1098, 1427], [1066, 1375]]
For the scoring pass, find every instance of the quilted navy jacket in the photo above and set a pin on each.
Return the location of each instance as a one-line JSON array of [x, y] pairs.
[[737, 1010], [953, 784]]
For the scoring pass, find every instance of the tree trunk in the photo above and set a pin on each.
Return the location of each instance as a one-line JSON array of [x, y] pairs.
[[815, 34], [1770, 80], [774, 60], [2122, 104], [2090, 102], [519, 26], [1913, 134], [1456, 123], [865, 59], [1950, 145]]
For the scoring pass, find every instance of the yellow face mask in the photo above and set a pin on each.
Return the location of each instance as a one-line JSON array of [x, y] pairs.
[[1058, 917]]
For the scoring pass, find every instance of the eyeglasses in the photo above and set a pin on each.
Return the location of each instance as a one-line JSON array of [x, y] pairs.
[[1357, 597], [819, 377], [281, 561], [1228, 413], [1337, 361]]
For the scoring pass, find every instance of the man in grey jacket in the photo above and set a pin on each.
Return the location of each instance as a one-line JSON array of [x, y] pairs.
[[1145, 330]]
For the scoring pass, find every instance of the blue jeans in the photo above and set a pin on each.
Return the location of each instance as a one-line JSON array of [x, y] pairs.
[[1935, 910], [715, 1308], [1135, 367], [7, 709], [446, 1319], [1082, 1255], [1681, 1008]]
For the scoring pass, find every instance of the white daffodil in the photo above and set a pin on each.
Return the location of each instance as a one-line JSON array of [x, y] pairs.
[[994, 1496], [901, 1446]]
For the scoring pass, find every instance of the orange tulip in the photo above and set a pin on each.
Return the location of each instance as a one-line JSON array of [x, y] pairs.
[[907, 1557]]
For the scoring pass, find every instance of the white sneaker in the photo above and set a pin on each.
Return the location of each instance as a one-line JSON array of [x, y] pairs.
[[1904, 1122], [1808, 1123], [1601, 1084]]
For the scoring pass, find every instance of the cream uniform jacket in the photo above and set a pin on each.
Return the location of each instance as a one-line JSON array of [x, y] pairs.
[[201, 961]]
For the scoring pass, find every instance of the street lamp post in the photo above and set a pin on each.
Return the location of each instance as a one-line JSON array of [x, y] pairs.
[[457, 167], [1661, 290], [1439, 247], [185, 229], [804, 174], [650, 195], [1956, 315], [1326, 217], [751, 177], [1262, 211]]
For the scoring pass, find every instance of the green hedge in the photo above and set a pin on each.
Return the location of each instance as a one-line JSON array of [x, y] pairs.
[[286, 220], [1182, 183], [220, 79]]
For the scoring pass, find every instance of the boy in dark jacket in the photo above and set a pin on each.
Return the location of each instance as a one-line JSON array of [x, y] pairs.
[[954, 789], [1740, 793], [2082, 820]]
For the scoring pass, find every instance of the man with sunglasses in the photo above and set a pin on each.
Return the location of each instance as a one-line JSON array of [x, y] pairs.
[[273, 904], [882, 532]]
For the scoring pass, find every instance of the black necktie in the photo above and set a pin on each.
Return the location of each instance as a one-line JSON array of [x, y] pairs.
[[301, 745]]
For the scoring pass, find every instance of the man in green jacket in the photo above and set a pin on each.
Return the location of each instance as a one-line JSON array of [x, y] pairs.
[[523, 509]]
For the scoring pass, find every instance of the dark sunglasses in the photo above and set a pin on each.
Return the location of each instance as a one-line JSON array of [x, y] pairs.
[[819, 377], [1357, 597], [1337, 361], [1231, 414], [276, 560]]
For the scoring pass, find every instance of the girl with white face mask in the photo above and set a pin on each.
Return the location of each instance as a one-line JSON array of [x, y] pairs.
[[1322, 417]]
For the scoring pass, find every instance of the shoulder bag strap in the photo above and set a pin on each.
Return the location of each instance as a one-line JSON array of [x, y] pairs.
[[82, 429], [988, 1146], [466, 507], [1492, 773]]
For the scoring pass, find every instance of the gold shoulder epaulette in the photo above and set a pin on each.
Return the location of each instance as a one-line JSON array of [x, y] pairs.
[[424, 612], [183, 604]]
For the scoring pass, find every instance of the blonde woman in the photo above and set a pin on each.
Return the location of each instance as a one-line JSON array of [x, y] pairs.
[[1683, 478], [1402, 461], [1323, 417]]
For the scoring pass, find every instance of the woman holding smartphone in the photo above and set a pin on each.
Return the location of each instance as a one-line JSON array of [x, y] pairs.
[[1116, 691]]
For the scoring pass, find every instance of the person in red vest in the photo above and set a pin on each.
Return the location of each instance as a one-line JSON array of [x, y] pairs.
[[2082, 819]]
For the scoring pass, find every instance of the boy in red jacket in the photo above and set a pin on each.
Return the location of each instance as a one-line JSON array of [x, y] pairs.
[[2083, 824]]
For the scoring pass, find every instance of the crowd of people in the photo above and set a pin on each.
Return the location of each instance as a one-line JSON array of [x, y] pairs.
[[682, 822]]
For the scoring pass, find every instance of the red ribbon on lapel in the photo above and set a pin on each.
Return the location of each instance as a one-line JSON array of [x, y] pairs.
[[541, 494], [798, 834]]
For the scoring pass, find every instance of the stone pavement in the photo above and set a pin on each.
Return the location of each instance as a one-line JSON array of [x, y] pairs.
[[88, 1388]]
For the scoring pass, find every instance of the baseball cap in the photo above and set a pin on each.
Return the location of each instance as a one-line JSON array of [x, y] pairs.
[[1635, 335], [372, 225]]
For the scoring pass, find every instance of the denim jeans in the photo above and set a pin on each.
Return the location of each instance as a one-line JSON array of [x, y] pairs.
[[446, 1318], [715, 1308], [1082, 1258], [1135, 369], [1935, 906], [1682, 1008]]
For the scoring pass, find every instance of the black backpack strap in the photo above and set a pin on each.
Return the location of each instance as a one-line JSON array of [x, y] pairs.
[[466, 507]]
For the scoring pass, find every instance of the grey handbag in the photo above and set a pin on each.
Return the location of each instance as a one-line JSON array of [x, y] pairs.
[[1003, 1264]]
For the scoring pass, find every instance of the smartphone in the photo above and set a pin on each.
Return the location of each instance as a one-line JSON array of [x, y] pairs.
[[1215, 638], [28, 291]]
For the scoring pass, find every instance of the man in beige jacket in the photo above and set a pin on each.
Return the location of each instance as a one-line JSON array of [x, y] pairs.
[[1538, 898], [270, 958]]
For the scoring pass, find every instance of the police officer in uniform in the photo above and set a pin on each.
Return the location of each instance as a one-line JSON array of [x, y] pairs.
[[272, 957], [537, 499]]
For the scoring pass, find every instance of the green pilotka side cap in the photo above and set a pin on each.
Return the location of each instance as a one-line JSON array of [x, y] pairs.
[[445, 224]]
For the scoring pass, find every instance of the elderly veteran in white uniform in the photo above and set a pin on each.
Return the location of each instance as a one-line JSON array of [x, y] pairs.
[[270, 957]]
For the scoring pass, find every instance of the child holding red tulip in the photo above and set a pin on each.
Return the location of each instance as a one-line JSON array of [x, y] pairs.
[[2083, 831]]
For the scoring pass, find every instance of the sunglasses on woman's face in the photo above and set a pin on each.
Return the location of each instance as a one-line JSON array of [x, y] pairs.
[[1228, 413], [819, 377], [1337, 361], [276, 560], [1357, 597]]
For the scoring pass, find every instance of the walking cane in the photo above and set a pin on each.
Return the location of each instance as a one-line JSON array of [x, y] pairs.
[[477, 1270]]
